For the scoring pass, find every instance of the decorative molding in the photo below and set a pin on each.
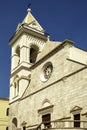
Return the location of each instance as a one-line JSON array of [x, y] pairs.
[[46, 71], [76, 62], [44, 110], [65, 79], [25, 77], [46, 100], [17, 69], [29, 31], [68, 75], [84, 114], [15, 54], [24, 46], [76, 109], [23, 123], [65, 118]]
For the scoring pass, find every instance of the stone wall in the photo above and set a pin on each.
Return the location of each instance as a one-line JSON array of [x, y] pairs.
[[65, 91]]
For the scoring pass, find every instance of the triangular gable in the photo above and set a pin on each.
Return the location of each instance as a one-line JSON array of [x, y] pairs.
[[31, 22], [76, 108]]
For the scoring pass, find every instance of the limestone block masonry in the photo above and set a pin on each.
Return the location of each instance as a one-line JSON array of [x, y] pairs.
[[48, 82]]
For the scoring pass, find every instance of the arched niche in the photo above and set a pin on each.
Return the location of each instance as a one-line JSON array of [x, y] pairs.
[[17, 51], [14, 123]]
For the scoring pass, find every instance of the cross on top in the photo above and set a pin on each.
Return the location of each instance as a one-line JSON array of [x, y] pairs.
[[29, 5]]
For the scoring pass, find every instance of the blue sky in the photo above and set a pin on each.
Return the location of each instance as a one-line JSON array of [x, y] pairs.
[[62, 19]]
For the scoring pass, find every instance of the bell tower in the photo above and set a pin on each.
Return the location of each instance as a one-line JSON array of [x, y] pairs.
[[26, 44]]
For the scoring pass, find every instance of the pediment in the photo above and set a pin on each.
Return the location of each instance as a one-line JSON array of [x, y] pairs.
[[47, 107], [76, 108], [46, 103], [30, 21], [35, 25]]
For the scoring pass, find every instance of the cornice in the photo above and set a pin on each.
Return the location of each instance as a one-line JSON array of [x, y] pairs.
[[61, 79], [55, 50], [18, 69], [28, 30], [45, 108]]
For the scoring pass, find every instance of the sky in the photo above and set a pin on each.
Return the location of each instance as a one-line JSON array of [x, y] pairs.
[[61, 19]]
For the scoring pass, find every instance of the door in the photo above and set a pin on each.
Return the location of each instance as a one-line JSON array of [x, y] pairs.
[[46, 120], [77, 120]]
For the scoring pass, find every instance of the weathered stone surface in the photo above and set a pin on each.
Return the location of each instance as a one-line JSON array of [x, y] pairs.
[[62, 94]]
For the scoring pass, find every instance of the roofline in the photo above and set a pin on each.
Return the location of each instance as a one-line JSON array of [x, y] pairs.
[[80, 48], [64, 43], [2, 98]]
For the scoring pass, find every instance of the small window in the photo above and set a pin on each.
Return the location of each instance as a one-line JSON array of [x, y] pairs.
[[6, 128], [33, 53], [18, 54], [77, 120], [7, 112], [14, 124], [16, 86], [46, 120]]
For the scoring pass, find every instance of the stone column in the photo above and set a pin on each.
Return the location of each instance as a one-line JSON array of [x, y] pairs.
[[23, 54], [15, 61]]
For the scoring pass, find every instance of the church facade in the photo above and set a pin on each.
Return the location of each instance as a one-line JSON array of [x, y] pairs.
[[48, 82]]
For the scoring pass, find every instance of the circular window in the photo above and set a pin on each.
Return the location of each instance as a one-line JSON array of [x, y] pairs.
[[46, 71]]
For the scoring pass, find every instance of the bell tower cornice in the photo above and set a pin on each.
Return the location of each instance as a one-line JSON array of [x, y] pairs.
[[27, 30], [29, 26]]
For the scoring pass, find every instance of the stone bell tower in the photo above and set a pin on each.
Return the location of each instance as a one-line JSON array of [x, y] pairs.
[[27, 43]]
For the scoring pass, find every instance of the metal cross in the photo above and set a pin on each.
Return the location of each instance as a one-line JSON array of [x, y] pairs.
[[29, 5]]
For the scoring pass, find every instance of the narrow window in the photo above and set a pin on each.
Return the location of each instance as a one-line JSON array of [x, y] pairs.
[[14, 124], [33, 55], [14, 89], [18, 55], [7, 112], [77, 120], [16, 86], [46, 120]]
